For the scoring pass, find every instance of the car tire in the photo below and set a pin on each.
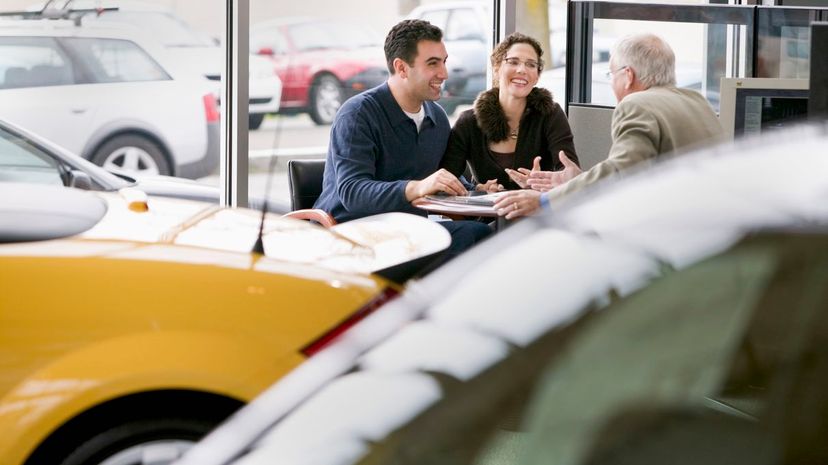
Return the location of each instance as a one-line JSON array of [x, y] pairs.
[[326, 97], [125, 443], [134, 154], [255, 120]]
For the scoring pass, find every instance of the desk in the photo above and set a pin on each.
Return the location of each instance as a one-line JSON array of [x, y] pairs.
[[442, 208]]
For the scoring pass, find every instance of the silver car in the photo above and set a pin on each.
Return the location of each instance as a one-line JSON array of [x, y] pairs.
[[27, 158], [675, 316]]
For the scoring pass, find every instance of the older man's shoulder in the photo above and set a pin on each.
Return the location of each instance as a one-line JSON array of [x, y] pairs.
[[659, 96]]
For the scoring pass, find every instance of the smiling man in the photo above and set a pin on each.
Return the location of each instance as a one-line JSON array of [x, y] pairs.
[[386, 143]]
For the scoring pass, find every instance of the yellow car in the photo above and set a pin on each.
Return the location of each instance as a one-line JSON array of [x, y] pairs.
[[129, 328]]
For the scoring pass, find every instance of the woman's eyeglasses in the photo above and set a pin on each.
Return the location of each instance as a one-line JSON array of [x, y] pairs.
[[515, 62]]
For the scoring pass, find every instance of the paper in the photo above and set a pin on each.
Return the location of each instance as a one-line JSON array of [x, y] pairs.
[[480, 200]]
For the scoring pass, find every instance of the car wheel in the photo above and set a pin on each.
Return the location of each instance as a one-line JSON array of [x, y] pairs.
[[138, 442], [132, 153], [325, 99], [255, 120]]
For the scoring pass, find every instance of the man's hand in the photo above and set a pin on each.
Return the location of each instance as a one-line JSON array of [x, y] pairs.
[[491, 186], [439, 181], [514, 204], [546, 180], [521, 175]]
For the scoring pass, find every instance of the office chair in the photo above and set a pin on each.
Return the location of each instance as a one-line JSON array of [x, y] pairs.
[[591, 129], [305, 181]]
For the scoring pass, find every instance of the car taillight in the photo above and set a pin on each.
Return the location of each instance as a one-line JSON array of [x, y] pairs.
[[211, 111], [324, 340]]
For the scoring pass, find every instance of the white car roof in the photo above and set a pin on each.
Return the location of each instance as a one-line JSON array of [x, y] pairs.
[[67, 28], [131, 5], [99, 30]]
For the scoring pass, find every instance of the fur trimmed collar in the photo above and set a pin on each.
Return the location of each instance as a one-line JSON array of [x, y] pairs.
[[492, 120]]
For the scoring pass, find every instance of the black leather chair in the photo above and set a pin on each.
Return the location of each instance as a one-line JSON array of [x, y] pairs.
[[305, 181]]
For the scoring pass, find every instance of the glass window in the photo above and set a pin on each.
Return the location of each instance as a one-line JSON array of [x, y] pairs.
[[113, 60], [33, 62], [709, 41], [167, 29], [328, 51], [323, 53], [784, 42], [268, 38], [438, 18], [324, 35], [464, 25], [21, 162], [156, 108], [689, 42]]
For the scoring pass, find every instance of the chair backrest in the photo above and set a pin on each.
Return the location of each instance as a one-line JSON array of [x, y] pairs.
[[591, 130], [305, 180]]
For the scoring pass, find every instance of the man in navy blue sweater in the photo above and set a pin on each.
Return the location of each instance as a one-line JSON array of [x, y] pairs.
[[386, 143]]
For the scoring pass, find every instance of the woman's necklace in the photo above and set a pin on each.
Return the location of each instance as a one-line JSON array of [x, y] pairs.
[[514, 133]]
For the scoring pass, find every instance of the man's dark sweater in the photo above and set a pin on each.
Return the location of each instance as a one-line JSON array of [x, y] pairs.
[[374, 151]]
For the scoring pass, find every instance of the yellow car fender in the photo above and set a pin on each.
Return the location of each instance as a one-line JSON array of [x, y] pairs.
[[209, 362]]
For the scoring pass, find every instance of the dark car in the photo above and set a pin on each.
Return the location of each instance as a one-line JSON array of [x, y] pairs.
[[321, 62], [678, 315], [25, 157]]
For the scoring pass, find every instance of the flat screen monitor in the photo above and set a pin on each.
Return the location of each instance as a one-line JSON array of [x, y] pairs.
[[755, 105]]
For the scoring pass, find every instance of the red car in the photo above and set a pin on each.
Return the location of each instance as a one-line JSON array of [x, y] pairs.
[[321, 62]]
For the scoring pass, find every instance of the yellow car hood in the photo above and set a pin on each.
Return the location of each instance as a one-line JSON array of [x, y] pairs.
[[228, 234]]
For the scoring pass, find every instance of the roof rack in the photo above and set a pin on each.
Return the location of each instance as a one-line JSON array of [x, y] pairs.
[[63, 12]]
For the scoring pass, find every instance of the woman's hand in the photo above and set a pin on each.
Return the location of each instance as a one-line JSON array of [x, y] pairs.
[[521, 175], [515, 204], [491, 186]]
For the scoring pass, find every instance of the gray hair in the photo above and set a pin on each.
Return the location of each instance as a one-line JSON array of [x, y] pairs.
[[650, 56]]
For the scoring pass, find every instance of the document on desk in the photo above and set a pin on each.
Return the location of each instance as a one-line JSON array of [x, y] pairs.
[[478, 200], [478, 204]]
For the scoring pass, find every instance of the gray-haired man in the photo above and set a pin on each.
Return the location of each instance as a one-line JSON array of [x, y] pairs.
[[652, 117]]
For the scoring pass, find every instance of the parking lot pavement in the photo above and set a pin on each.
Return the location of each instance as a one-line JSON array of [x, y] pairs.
[[257, 183], [298, 137]]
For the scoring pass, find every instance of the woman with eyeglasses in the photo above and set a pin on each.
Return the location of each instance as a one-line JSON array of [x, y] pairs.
[[514, 127]]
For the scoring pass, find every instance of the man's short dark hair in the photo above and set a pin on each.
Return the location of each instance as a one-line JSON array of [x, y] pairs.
[[401, 42]]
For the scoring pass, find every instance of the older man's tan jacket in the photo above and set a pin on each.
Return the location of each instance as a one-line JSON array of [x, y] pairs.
[[647, 124]]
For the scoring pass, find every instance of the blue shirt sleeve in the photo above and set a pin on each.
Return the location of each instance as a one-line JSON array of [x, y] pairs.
[[544, 202], [355, 155]]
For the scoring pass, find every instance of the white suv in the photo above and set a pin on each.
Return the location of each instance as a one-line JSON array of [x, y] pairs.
[[190, 48], [99, 92]]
